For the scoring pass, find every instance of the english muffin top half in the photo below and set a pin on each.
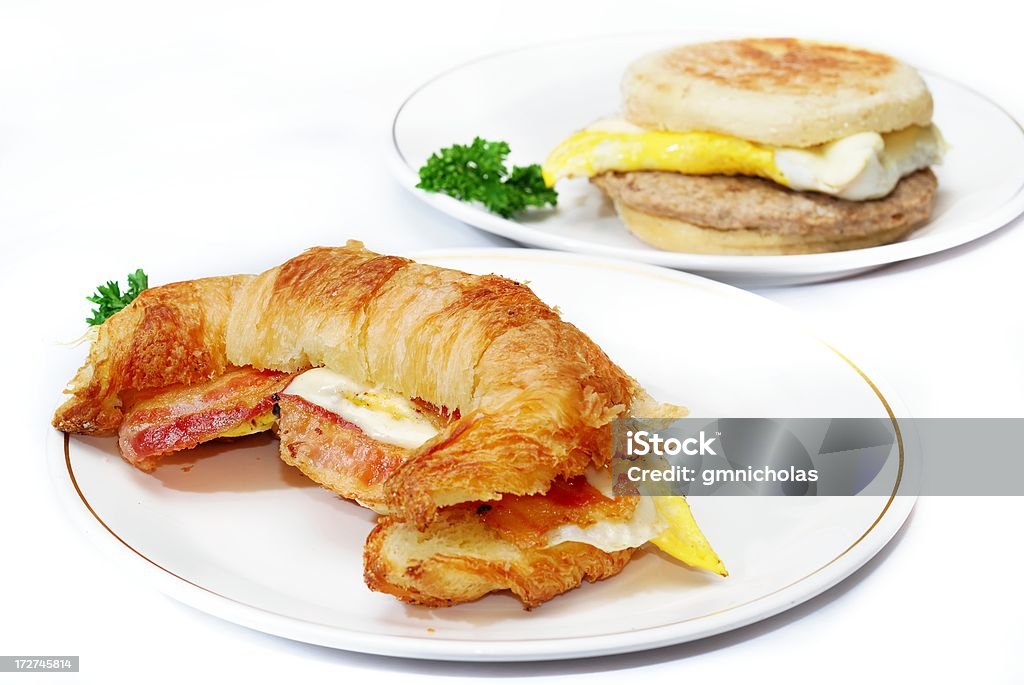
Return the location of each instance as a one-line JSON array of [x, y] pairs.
[[776, 91]]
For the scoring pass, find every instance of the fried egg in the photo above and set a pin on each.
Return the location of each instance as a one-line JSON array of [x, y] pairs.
[[858, 167], [666, 522]]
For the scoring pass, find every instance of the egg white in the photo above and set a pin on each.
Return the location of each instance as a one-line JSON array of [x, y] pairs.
[[383, 415]]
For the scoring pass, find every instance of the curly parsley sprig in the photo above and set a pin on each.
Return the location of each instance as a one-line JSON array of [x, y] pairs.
[[477, 172], [111, 300]]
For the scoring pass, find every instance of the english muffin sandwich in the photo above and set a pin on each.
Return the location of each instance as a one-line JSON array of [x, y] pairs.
[[763, 146]]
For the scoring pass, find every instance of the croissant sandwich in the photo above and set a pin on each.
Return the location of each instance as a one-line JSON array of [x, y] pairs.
[[461, 408]]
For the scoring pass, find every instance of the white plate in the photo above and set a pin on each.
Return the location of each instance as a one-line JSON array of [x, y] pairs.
[[244, 537], [535, 97]]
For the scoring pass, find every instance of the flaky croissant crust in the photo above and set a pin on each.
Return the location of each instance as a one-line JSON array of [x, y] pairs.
[[171, 334], [536, 396]]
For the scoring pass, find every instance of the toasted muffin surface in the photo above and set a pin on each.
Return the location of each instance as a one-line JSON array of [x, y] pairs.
[[776, 91]]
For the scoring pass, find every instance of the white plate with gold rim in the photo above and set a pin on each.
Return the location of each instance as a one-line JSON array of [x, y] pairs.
[[535, 97], [232, 531]]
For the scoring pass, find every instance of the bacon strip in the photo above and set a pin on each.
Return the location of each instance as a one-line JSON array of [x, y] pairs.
[[182, 417], [335, 453]]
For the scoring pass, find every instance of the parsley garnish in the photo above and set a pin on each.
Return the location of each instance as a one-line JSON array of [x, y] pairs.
[[478, 172], [111, 300]]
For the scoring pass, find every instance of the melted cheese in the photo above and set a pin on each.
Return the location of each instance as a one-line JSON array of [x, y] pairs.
[[258, 424], [858, 167], [383, 415]]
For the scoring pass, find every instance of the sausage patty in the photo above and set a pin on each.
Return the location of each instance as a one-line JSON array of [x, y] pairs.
[[730, 203]]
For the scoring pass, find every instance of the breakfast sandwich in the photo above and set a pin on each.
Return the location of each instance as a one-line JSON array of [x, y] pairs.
[[763, 146], [460, 407]]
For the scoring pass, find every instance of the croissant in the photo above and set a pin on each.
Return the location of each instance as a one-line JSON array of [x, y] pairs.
[[517, 399], [171, 335], [459, 558], [535, 396]]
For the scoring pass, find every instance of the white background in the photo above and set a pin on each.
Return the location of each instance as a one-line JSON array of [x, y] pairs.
[[230, 136]]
